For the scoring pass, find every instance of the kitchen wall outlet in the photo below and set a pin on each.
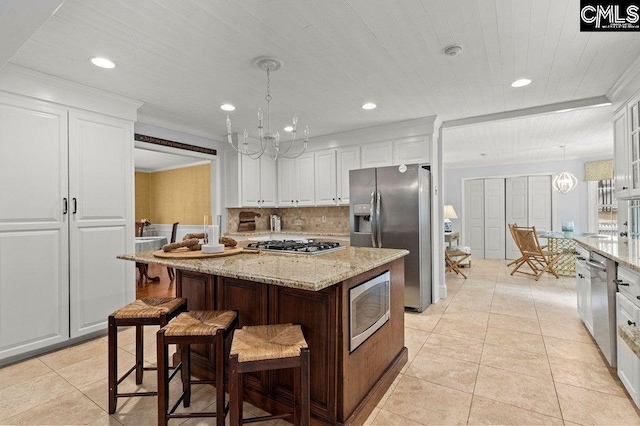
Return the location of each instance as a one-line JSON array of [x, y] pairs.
[[324, 218]]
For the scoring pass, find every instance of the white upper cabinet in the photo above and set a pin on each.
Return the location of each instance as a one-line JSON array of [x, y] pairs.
[[296, 181], [257, 184], [626, 139], [377, 154], [633, 139], [304, 180], [411, 151], [621, 155], [325, 178], [347, 159]]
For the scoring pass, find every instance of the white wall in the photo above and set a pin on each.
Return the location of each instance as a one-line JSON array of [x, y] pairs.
[[571, 206]]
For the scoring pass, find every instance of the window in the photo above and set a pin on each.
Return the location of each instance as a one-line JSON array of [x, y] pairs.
[[603, 217]]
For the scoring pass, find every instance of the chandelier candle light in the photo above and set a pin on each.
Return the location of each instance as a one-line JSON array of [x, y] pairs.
[[269, 141], [565, 181]]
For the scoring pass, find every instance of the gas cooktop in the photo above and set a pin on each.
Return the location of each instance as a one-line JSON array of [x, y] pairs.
[[297, 247]]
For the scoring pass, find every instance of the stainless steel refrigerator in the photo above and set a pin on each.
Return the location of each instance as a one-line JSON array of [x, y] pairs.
[[391, 208]]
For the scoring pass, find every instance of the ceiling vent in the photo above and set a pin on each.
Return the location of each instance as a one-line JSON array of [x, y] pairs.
[[452, 50]]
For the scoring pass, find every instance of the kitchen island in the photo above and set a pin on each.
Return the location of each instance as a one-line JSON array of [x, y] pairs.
[[311, 290]]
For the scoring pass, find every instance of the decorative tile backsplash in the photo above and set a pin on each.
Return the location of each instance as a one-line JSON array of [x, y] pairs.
[[337, 218]]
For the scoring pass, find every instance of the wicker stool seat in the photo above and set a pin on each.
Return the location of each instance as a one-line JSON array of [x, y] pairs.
[[270, 347], [193, 327], [141, 312]]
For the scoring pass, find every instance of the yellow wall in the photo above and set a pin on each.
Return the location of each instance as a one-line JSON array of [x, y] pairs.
[[142, 196], [180, 195]]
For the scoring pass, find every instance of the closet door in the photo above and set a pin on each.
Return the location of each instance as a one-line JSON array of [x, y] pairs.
[[474, 216], [516, 211], [494, 219], [34, 271], [101, 218], [539, 209]]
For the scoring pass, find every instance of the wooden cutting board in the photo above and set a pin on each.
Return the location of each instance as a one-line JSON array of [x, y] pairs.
[[185, 253]]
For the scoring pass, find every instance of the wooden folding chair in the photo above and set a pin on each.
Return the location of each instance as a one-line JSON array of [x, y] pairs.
[[533, 255], [453, 258]]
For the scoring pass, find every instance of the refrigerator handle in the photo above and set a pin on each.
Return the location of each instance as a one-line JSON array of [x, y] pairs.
[[372, 215], [378, 224]]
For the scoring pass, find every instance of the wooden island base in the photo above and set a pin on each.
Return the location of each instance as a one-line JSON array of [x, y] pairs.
[[345, 387]]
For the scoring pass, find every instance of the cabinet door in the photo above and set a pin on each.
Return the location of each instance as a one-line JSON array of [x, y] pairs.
[[377, 155], [587, 308], [101, 218], [34, 237], [250, 182], [347, 159], [621, 154], [325, 178], [628, 361], [580, 268], [411, 150], [268, 183], [304, 180], [286, 179], [634, 148]]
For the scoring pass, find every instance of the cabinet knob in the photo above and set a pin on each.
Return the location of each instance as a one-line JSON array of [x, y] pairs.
[[625, 188], [620, 282], [630, 323]]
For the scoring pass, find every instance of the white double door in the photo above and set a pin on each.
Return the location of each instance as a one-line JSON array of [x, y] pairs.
[[491, 204], [65, 213]]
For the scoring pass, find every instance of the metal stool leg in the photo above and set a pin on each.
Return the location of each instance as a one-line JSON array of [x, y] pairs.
[[139, 353], [163, 381]]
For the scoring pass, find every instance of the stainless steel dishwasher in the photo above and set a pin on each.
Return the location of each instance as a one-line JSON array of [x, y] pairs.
[[603, 304]]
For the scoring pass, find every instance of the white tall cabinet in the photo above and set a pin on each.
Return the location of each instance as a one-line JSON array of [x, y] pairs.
[[66, 212]]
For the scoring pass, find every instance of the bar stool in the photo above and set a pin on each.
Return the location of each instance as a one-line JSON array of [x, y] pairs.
[[141, 312], [270, 347], [193, 327]]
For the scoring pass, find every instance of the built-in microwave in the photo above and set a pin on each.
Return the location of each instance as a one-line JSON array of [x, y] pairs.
[[368, 309]]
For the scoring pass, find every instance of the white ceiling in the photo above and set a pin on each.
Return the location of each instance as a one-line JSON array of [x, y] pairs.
[[152, 161], [185, 58]]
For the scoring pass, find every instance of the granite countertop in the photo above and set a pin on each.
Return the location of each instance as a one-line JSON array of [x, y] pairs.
[[631, 336], [627, 254], [307, 272], [289, 231]]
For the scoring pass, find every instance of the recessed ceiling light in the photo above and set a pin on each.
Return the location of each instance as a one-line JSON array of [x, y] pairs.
[[369, 105], [521, 83], [452, 50], [288, 129], [102, 62], [227, 107]]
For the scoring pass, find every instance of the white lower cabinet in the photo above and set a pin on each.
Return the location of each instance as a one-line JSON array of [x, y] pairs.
[[583, 290], [628, 361], [66, 179]]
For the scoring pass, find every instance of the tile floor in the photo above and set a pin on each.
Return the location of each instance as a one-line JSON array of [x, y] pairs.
[[498, 350]]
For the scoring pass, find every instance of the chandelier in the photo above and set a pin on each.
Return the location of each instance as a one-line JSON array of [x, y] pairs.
[[565, 181], [269, 141]]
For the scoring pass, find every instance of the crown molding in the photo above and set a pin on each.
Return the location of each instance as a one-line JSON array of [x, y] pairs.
[[616, 93], [153, 121], [34, 84], [526, 112]]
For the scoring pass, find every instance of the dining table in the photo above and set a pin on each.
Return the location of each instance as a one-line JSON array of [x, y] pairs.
[[148, 244]]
